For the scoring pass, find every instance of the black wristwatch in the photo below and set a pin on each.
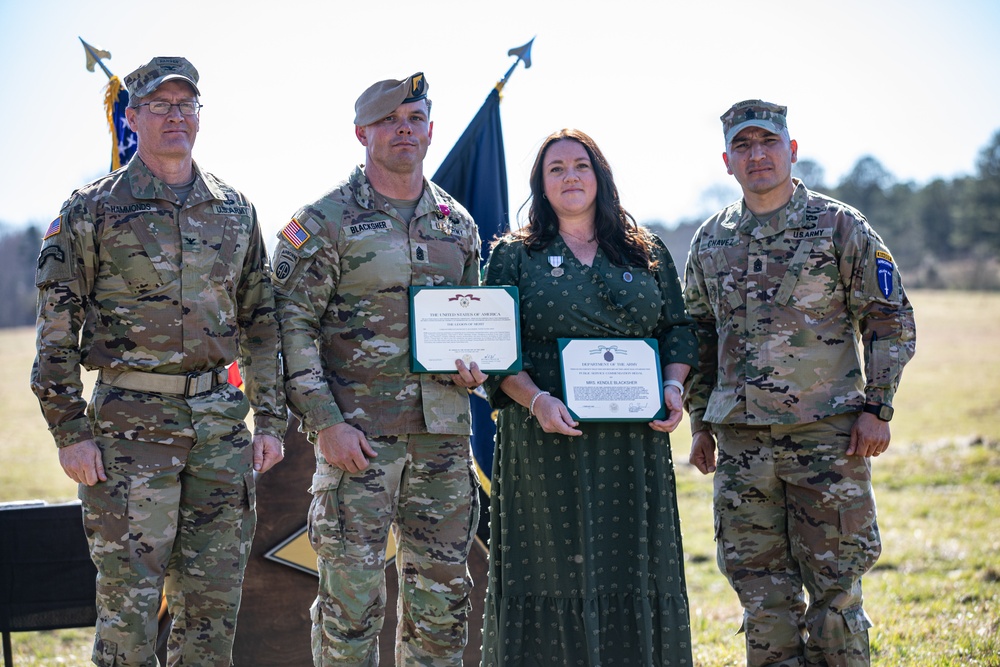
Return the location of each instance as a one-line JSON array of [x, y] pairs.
[[880, 410]]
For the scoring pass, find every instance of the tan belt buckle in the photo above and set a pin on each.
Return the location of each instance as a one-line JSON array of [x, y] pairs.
[[199, 383], [194, 382]]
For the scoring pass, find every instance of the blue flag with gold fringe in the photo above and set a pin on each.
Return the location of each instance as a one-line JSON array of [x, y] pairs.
[[475, 173], [123, 140]]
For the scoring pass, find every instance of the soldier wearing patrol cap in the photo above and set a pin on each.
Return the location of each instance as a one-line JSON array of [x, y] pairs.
[[391, 445], [156, 276], [791, 290]]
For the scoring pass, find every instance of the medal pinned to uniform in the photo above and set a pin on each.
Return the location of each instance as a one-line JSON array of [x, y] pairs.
[[443, 226], [555, 261]]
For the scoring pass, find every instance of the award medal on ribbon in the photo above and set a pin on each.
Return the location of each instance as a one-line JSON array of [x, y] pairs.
[[555, 261]]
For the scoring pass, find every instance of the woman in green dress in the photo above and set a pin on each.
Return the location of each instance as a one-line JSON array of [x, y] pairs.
[[586, 565]]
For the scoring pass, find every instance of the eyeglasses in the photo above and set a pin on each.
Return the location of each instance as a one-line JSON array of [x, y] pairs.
[[163, 108]]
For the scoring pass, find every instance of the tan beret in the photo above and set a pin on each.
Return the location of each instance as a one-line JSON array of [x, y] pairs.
[[157, 71], [382, 98]]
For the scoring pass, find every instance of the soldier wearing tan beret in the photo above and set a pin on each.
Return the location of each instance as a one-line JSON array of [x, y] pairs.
[[392, 446]]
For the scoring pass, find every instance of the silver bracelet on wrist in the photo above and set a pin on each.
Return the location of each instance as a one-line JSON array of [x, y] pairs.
[[674, 383], [531, 406]]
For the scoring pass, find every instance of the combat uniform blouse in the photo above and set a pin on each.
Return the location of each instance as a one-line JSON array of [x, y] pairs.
[[130, 278], [781, 307], [342, 271]]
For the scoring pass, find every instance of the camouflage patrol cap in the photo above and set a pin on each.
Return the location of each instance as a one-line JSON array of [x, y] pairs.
[[753, 113], [382, 98], [157, 71]]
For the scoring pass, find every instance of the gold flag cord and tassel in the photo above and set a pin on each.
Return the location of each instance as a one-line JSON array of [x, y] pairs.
[[111, 92]]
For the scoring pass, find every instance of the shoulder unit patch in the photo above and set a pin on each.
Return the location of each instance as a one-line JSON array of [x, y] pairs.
[[883, 262]]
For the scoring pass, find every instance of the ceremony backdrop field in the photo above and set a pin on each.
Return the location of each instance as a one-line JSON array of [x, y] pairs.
[[934, 596]]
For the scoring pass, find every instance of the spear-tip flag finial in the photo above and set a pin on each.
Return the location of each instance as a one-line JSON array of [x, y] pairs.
[[523, 54], [94, 57]]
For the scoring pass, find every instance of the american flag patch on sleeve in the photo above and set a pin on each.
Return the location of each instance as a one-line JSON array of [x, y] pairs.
[[295, 234], [54, 228]]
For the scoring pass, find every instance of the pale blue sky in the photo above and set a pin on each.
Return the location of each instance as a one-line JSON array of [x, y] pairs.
[[913, 83]]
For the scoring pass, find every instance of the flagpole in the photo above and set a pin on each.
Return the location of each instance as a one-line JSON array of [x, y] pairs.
[[523, 53]]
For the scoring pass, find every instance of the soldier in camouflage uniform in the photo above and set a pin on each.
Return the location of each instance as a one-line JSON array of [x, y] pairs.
[[391, 445], [784, 285], [156, 275]]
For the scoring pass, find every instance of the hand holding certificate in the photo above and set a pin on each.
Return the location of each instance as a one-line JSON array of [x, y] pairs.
[[611, 379], [474, 324]]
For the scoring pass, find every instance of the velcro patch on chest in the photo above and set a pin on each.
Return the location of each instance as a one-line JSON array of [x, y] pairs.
[[374, 226], [419, 253], [812, 233], [230, 209], [711, 244]]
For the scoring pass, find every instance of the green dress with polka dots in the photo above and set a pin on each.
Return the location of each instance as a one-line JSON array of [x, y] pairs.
[[586, 563]]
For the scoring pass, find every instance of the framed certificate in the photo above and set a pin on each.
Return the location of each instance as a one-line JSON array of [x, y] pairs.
[[474, 324], [612, 379]]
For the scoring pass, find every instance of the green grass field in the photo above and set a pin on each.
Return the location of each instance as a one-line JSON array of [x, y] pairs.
[[934, 596]]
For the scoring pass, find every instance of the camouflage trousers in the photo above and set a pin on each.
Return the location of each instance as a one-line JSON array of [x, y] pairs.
[[176, 515], [424, 488], [792, 510]]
